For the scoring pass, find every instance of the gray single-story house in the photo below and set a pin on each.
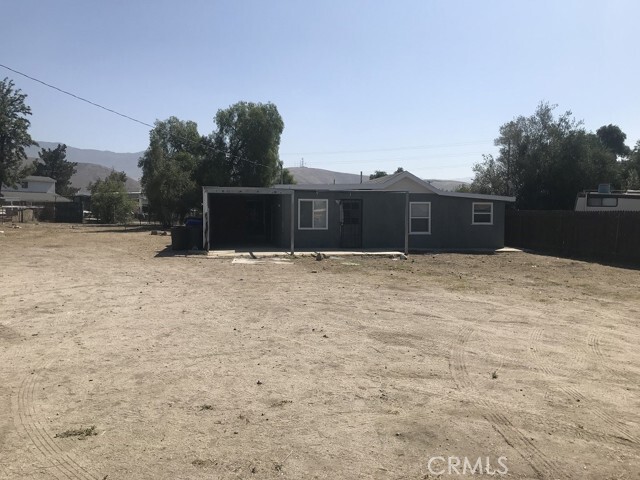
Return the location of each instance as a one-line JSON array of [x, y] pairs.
[[396, 212]]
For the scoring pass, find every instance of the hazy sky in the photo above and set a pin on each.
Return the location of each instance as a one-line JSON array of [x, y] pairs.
[[361, 85]]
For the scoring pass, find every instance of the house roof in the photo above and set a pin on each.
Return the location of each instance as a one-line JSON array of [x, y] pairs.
[[33, 197], [250, 190], [38, 178], [387, 183]]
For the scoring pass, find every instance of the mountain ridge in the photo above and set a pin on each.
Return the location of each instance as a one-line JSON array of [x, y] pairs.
[[97, 164], [126, 162]]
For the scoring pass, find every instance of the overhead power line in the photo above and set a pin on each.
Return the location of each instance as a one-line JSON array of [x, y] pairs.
[[78, 97], [110, 110], [209, 147]]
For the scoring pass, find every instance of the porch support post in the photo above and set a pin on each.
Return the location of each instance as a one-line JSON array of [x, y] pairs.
[[205, 219], [293, 219], [406, 224]]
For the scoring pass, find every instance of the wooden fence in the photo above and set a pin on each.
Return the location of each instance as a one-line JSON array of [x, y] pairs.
[[609, 236], [61, 212]]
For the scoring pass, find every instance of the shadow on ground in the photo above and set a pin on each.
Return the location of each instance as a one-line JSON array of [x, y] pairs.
[[168, 251], [124, 229]]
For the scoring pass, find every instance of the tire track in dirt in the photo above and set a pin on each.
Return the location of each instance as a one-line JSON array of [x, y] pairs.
[[615, 424], [63, 463], [593, 342], [56, 468], [534, 340], [578, 358], [541, 463], [543, 365]]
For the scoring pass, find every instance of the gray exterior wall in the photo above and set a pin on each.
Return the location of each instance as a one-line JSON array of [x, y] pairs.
[[384, 214], [452, 228], [383, 220]]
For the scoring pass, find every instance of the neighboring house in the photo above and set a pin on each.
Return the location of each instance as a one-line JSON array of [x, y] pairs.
[[141, 209], [399, 212], [141, 202], [607, 200], [32, 190], [33, 197]]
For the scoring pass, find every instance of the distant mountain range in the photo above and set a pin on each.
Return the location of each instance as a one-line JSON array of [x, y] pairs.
[[97, 164], [121, 162], [307, 175], [87, 173]]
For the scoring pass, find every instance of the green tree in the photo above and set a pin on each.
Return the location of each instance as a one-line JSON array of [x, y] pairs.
[[54, 164], [243, 151], [545, 161], [14, 133], [631, 169], [169, 168], [378, 174], [612, 138], [490, 177], [109, 200], [286, 177], [399, 170]]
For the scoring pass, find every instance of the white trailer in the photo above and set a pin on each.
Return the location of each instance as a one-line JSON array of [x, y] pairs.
[[607, 200]]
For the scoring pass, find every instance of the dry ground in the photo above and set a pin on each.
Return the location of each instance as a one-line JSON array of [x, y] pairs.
[[191, 367]]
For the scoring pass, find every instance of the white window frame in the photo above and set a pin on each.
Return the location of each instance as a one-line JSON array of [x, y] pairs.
[[411, 217], [590, 202], [473, 213], [326, 208]]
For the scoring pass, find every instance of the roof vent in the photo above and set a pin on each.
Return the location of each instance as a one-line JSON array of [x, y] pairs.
[[604, 188]]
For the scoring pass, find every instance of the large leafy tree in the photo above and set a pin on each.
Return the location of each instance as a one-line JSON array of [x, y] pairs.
[[241, 151], [545, 161], [631, 169], [54, 164], [14, 132], [613, 138], [169, 168], [110, 202], [490, 177], [244, 149]]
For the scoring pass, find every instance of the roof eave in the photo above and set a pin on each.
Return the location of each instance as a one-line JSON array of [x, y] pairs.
[[479, 196]]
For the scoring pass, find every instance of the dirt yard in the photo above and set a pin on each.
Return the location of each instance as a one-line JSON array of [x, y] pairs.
[[119, 360]]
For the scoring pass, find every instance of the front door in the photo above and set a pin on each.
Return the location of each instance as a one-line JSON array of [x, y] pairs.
[[351, 223]]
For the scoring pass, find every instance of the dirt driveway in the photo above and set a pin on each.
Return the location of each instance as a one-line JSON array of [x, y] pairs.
[[193, 367]]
